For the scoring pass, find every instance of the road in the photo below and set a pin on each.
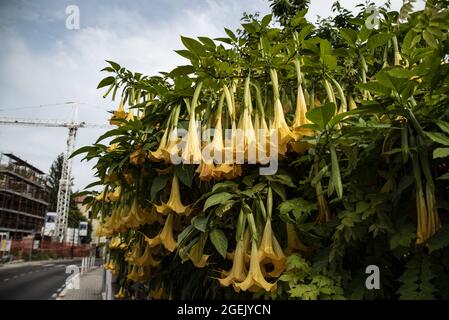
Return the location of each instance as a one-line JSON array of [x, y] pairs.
[[36, 282]]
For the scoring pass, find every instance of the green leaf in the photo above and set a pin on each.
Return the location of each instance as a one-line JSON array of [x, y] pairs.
[[438, 137], [193, 45], [114, 65], [403, 237], [110, 133], [224, 207], [378, 40], [200, 222], [106, 82], [187, 54], [158, 184], [208, 42], [401, 73], [217, 198], [439, 240], [181, 71], [185, 174], [443, 125], [82, 150], [349, 35], [441, 153], [321, 115], [444, 176], [266, 20], [374, 86], [220, 242], [230, 34], [225, 185]]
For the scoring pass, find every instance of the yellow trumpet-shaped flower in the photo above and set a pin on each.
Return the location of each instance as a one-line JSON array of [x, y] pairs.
[[255, 280], [206, 171], [249, 137], [158, 155], [130, 116], [157, 294], [301, 109], [138, 157], [146, 259], [174, 203], [171, 148], [165, 237], [113, 147], [115, 195], [119, 114], [280, 125], [133, 274], [222, 170], [238, 271], [192, 150], [121, 293], [271, 252], [236, 171], [293, 242], [196, 255]]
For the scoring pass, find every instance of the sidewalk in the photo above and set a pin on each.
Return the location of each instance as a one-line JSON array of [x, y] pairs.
[[89, 289], [11, 265]]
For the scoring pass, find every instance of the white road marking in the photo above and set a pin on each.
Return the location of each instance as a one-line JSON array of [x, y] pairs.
[[6, 279], [22, 274], [48, 265], [30, 272], [54, 295], [15, 277], [59, 290]]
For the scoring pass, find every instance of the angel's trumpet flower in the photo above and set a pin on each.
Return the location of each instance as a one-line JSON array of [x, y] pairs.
[[271, 252], [114, 196], [147, 259], [171, 149], [236, 171], [113, 147], [192, 149], [206, 171], [165, 237], [133, 275], [121, 293], [293, 242], [255, 280], [119, 114], [174, 203], [238, 271], [130, 116], [138, 157], [196, 255], [284, 133], [158, 155]]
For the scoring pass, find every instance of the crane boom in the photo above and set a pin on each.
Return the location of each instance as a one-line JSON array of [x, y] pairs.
[[49, 123], [63, 204]]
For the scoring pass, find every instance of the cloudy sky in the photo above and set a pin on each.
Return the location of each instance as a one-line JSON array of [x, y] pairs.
[[42, 63]]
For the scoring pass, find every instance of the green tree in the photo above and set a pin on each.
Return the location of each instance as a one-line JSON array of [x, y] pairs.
[[284, 10]]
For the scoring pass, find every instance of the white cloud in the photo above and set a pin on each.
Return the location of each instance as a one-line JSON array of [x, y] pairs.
[[68, 70]]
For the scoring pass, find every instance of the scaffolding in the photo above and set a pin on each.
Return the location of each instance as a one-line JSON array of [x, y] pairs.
[[24, 197]]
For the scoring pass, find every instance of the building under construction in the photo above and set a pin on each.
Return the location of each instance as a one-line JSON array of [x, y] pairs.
[[24, 197]]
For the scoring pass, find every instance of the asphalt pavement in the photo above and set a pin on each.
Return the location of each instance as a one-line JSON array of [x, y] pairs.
[[41, 281]]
